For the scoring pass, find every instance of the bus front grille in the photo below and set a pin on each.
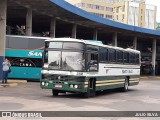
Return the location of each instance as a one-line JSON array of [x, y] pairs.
[[62, 78]]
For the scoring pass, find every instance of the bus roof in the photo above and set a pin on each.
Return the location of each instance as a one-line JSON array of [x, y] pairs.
[[90, 42]]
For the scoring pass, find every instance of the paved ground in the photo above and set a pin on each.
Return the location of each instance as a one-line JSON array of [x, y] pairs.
[[30, 97]]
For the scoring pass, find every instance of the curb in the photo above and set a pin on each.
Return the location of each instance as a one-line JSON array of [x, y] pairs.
[[17, 81], [8, 85], [145, 77]]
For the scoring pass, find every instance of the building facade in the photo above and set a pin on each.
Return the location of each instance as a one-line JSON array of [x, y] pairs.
[[97, 7], [135, 13], [157, 26]]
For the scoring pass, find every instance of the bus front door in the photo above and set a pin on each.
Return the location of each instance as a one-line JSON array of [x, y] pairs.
[[91, 88]]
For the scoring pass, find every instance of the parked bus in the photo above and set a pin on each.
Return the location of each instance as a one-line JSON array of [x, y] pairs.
[[25, 55], [72, 65]]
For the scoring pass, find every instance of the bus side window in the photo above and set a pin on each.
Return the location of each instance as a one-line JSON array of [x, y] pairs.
[[112, 55], [92, 58], [137, 59], [126, 58], [92, 64], [131, 58], [119, 56], [103, 55]]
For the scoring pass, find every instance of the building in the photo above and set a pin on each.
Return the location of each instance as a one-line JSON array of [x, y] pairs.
[[158, 26], [97, 7], [135, 13]]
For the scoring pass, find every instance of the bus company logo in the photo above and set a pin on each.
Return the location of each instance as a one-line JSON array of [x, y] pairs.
[[33, 53], [21, 115], [127, 71], [6, 114]]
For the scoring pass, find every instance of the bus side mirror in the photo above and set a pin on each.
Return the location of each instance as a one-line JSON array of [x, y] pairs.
[[46, 44]]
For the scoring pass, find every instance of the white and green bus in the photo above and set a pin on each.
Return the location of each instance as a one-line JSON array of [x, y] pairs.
[[81, 66]]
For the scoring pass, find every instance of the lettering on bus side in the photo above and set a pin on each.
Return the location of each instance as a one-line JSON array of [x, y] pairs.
[[127, 71], [80, 73], [33, 53]]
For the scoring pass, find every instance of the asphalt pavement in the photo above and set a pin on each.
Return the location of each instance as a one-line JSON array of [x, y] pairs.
[[28, 96]]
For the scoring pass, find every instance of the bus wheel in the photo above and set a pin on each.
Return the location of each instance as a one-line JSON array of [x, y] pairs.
[[126, 84], [55, 92], [87, 94]]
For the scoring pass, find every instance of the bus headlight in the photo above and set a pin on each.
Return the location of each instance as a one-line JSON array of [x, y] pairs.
[[46, 84], [42, 83], [45, 65], [71, 86], [75, 86]]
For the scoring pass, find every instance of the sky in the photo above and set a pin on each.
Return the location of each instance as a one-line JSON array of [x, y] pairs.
[[156, 3]]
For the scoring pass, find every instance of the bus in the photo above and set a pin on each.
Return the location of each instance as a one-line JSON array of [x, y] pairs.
[[81, 66], [25, 56]]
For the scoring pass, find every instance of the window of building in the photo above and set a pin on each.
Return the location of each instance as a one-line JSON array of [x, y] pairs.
[[101, 8], [88, 5], [117, 17], [97, 7], [109, 9], [109, 16], [122, 17], [117, 9], [94, 6], [80, 5], [83, 4], [141, 11], [123, 9], [100, 15]]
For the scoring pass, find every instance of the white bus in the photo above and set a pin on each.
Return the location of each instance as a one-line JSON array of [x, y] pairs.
[[81, 66]]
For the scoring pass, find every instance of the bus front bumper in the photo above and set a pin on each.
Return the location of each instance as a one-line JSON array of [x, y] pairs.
[[64, 86]]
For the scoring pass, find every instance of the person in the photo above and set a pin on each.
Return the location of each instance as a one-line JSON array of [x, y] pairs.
[[6, 67]]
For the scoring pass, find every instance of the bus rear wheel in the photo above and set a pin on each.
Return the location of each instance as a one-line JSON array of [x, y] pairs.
[[55, 92]]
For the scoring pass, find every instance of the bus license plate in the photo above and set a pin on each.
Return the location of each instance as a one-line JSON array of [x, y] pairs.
[[58, 86]]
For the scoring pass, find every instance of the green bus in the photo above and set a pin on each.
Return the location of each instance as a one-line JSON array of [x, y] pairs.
[[81, 66]]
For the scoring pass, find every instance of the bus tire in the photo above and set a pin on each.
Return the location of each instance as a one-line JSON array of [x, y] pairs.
[[87, 94], [55, 92], [126, 84]]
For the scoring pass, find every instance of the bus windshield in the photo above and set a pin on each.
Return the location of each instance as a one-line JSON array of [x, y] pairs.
[[68, 57]]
